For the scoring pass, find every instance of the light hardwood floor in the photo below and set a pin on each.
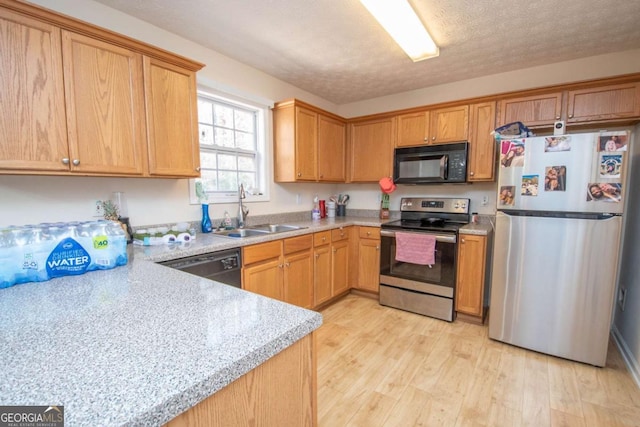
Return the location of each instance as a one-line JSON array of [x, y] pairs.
[[379, 366]]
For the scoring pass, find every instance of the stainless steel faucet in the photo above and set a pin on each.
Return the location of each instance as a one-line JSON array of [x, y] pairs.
[[243, 212]]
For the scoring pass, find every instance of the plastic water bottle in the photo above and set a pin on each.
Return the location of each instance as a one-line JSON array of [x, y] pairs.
[[8, 258]]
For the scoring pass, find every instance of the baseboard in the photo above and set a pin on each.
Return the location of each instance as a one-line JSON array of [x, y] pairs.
[[632, 364]]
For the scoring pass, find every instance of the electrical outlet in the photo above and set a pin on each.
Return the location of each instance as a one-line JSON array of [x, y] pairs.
[[297, 198], [485, 200], [98, 210]]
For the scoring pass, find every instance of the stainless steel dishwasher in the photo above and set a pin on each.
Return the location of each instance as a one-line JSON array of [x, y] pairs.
[[221, 266]]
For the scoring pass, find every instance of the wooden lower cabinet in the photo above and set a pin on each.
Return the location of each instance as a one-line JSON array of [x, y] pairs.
[[368, 259], [280, 392], [280, 269], [322, 267], [471, 276], [339, 261]]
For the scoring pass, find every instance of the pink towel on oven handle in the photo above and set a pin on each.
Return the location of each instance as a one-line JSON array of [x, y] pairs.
[[416, 248]]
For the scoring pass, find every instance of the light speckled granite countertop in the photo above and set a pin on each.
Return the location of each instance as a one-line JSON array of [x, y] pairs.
[[479, 229], [142, 343], [136, 345]]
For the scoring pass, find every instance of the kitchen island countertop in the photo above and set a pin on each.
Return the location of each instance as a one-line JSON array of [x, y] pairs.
[[136, 345]]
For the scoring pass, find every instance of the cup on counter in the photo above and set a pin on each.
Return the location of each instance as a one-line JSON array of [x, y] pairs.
[[331, 209], [341, 210]]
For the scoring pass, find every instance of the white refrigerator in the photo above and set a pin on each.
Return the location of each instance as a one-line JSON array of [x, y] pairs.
[[557, 237]]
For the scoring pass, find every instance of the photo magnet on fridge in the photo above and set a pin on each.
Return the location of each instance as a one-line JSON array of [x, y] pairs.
[[507, 195], [610, 165], [613, 141], [604, 192], [512, 153], [529, 185], [557, 143], [555, 178]]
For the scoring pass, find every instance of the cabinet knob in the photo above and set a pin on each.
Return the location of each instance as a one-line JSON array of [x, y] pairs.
[[461, 240], [198, 169], [557, 117], [334, 250], [426, 138], [324, 238], [65, 161], [570, 116], [299, 174], [76, 162], [286, 264], [280, 266], [377, 248], [470, 173], [317, 256], [368, 233], [321, 176], [433, 138]]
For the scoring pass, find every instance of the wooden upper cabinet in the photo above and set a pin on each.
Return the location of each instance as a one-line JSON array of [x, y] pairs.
[[413, 129], [309, 144], [449, 124], [306, 144], [433, 127], [604, 103], [105, 106], [371, 149], [172, 125], [32, 117], [79, 99], [332, 149], [532, 111], [482, 145]]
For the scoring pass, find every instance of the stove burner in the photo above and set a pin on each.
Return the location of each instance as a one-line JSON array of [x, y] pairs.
[[433, 222]]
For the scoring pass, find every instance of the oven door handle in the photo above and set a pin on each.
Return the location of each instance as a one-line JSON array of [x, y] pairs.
[[445, 238]]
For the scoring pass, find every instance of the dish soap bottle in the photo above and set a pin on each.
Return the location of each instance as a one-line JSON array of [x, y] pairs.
[[228, 224], [315, 212]]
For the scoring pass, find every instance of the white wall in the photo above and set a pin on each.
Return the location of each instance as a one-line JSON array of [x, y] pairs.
[[627, 322], [32, 199]]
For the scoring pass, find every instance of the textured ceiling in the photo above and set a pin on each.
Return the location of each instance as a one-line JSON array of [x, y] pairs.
[[335, 49]]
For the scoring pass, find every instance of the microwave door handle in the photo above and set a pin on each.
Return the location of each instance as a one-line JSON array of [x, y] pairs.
[[444, 161]]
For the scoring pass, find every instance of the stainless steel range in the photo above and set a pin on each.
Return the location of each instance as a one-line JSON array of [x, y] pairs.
[[412, 282]]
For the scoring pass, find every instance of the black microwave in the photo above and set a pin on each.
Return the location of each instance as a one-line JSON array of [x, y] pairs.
[[431, 164]]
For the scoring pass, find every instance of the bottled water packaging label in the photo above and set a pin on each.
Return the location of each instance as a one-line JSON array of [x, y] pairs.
[[68, 258]]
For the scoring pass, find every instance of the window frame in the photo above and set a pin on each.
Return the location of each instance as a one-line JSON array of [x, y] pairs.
[[263, 166]]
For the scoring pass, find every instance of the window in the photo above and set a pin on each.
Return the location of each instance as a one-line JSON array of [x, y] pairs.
[[232, 149]]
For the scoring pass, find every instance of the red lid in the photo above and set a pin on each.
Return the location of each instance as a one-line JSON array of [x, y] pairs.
[[387, 185]]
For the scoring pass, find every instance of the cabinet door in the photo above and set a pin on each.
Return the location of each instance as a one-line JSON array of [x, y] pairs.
[[371, 150], [537, 110], [470, 282], [413, 129], [32, 117], [298, 279], [172, 119], [482, 145], [264, 278], [449, 124], [306, 144], [604, 103], [331, 149], [339, 267], [369, 264], [322, 274], [105, 106]]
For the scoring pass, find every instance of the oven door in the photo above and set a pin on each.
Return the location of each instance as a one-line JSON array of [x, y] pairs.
[[437, 279]]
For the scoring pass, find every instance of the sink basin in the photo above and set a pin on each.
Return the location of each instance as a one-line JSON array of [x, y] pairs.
[[276, 228], [258, 230], [243, 232]]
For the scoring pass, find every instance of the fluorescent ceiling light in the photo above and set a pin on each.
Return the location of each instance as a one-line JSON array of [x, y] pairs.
[[402, 23]]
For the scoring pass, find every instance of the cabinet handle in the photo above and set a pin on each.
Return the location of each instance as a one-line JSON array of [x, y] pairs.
[[65, 161], [299, 174], [570, 116], [470, 173], [76, 162]]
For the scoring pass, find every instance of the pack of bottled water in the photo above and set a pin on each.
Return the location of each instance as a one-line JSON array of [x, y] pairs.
[[36, 253]]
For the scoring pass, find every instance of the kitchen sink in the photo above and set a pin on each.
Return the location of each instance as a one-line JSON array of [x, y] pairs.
[[258, 230], [241, 232]]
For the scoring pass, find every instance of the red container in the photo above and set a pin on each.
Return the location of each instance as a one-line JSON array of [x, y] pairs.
[[323, 209]]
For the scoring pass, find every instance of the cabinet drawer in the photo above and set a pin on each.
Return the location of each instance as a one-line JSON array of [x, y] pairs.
[[369, 233], [261, 252], [321, 238], [339, 234], [297, 244]]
